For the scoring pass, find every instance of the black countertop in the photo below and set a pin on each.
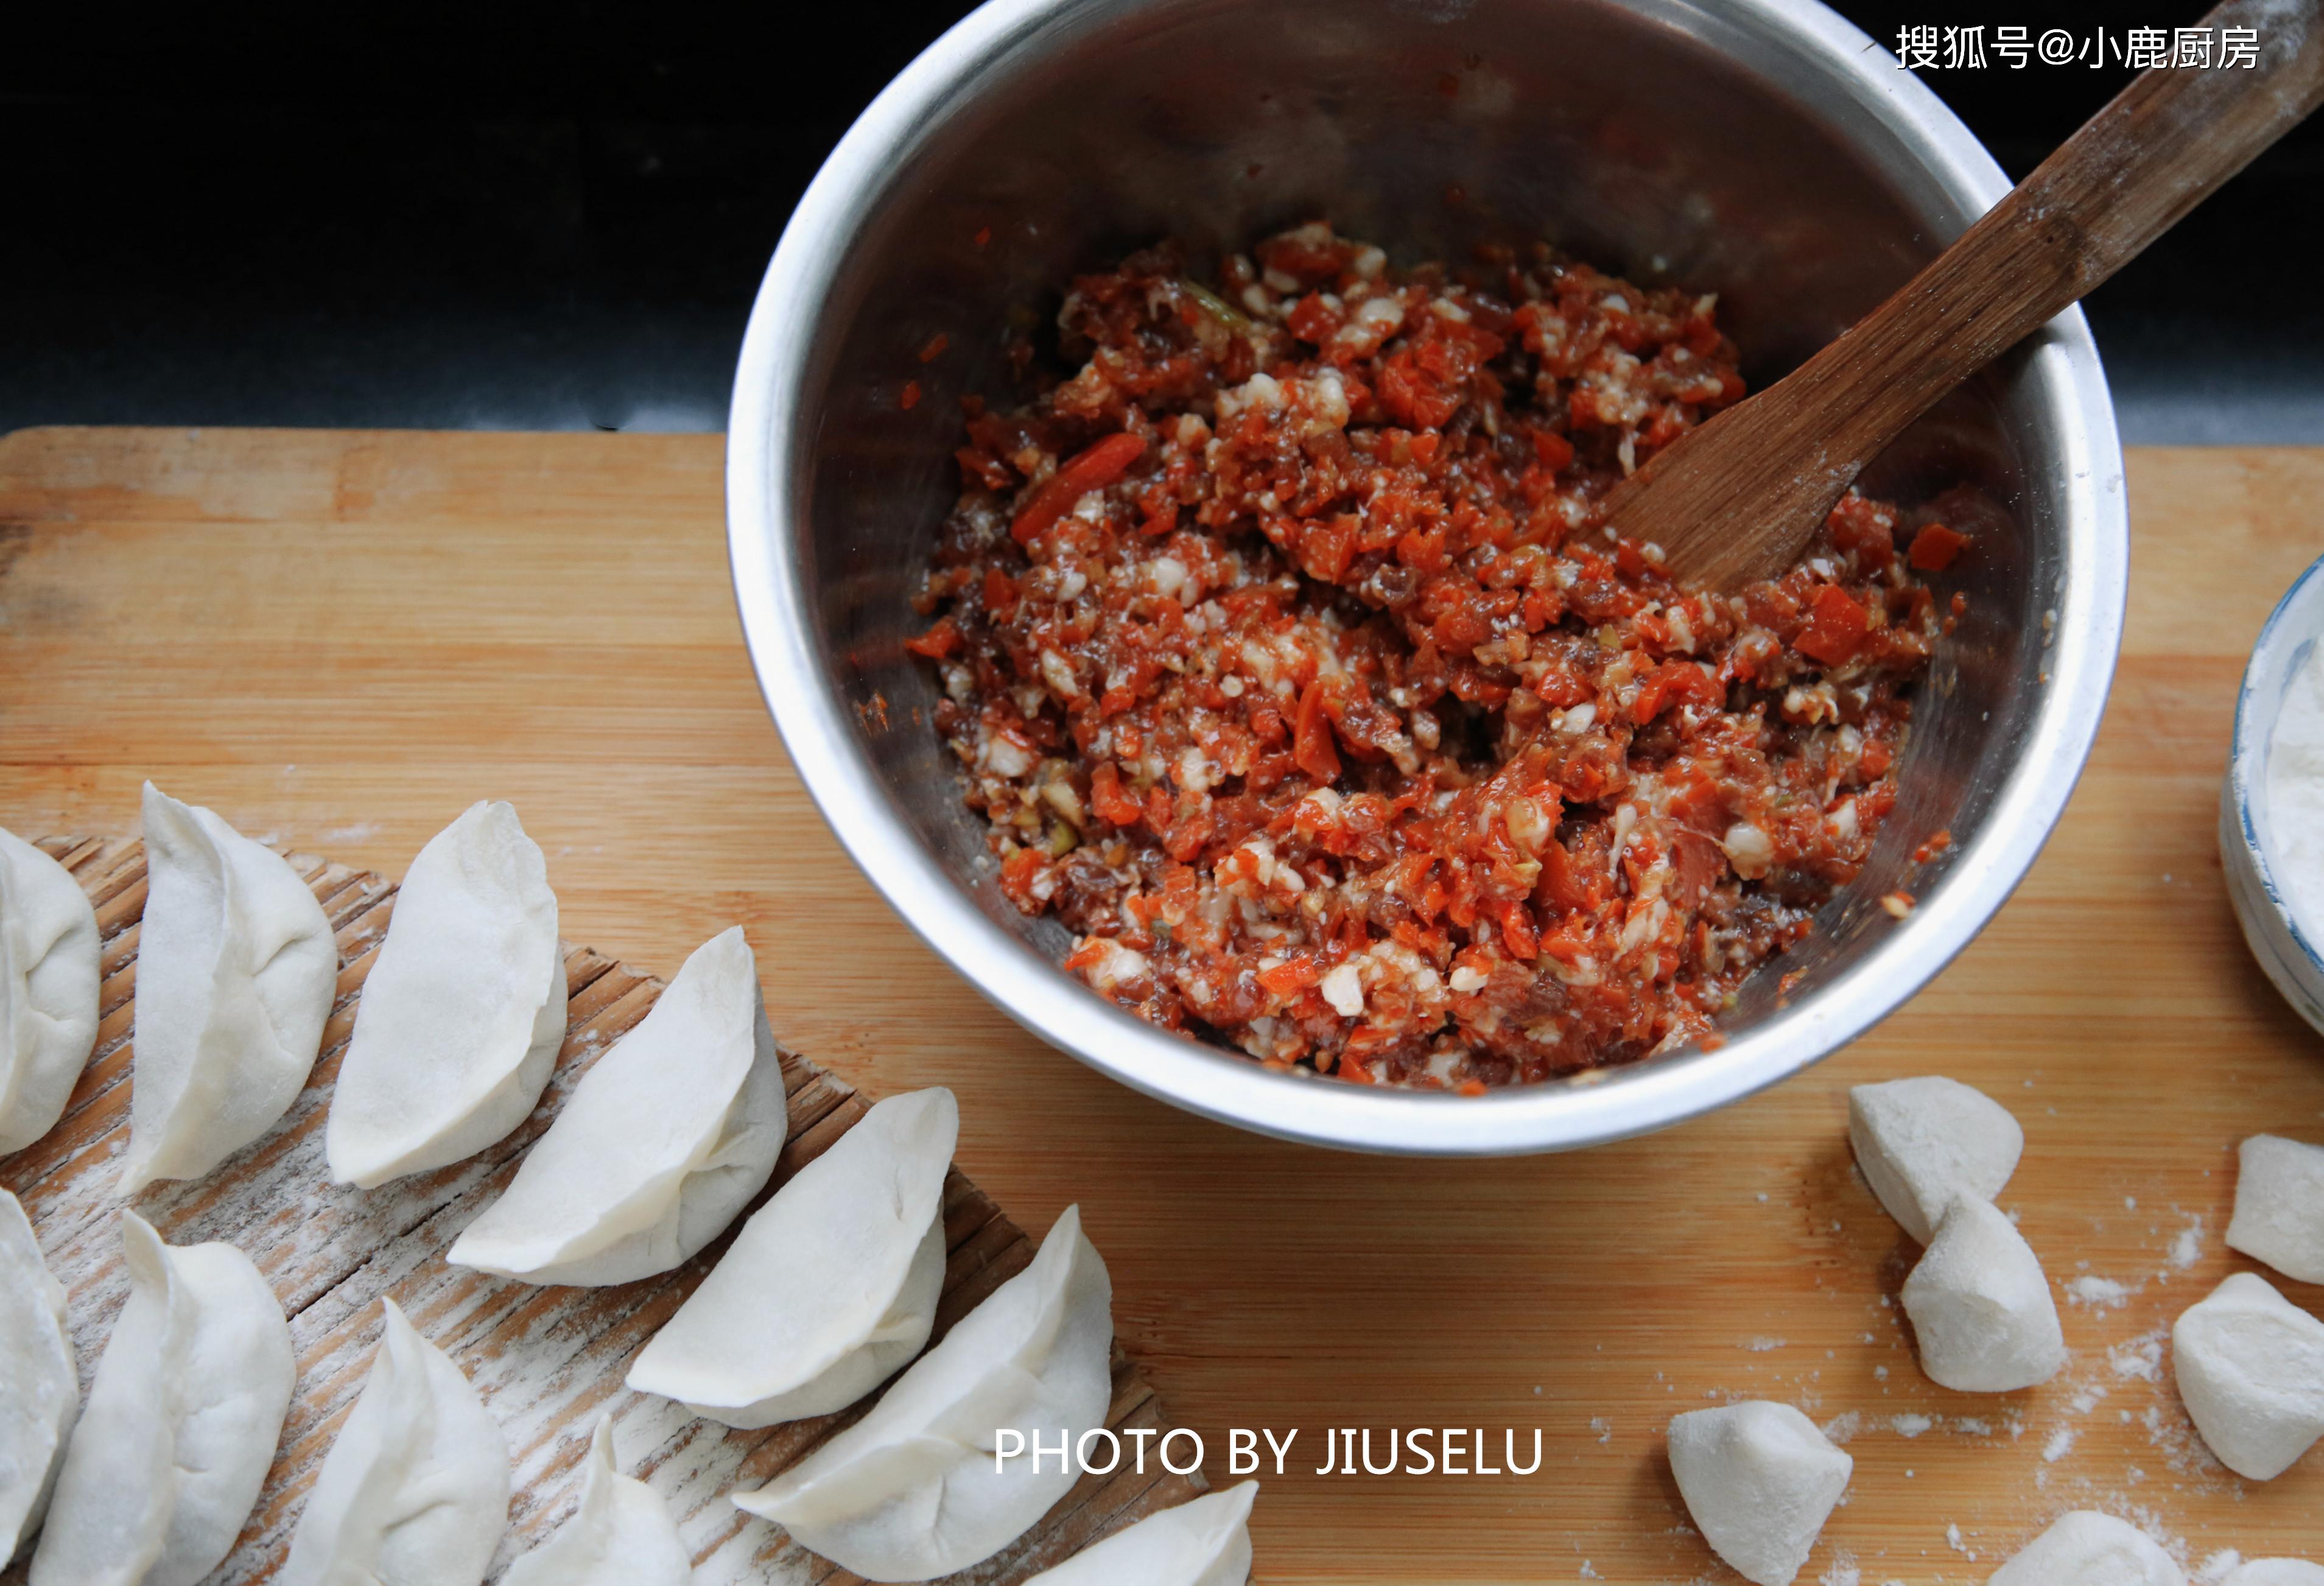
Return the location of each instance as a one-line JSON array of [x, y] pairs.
[[537, 216]]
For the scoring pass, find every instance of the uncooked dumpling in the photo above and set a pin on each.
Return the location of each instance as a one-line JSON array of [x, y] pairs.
[[40, 1388], [1205, 1543], [621, 1536], [2250, 1366], [1759, 1481], [1923, 1142], [660, 1144], [1981, 1307], [181, 1422], [2086, 1548], [910, 1492], [2280, 1205], [416, 1490], [463, 1013], [235, 972], [829, 1287], [48, 993]]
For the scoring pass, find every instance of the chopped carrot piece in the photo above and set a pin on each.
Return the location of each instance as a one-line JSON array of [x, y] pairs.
[[1836, 627], [1311, 746], [1935, 547], [1093, 469], [1113, 804], [939, 641]]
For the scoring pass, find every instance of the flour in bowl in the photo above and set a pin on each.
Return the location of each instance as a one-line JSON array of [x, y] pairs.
[[2295, 795]]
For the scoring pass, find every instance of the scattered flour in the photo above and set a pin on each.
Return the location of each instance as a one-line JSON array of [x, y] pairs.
[[2187, 1248], [1762, 1346], [2101, 1293], [2141, 1358], [1842, 1427], [2061, 1443], [1910, 1424], [1953, 1540]]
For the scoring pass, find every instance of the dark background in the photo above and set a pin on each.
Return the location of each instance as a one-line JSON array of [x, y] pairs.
[[534, 216]]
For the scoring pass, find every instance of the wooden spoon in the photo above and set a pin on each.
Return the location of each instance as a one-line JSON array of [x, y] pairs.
[[1739, 498]]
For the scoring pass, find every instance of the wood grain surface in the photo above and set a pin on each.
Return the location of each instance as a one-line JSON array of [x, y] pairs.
[[339, 641], [549, 1361]]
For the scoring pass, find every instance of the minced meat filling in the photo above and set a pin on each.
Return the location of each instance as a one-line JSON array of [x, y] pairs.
[[1286, 659]]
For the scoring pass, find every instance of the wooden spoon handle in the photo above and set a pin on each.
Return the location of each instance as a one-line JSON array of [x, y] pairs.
[[2161, 146]]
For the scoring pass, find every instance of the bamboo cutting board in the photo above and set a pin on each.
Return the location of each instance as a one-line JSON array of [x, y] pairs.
[[339, 641], [547, 1361]]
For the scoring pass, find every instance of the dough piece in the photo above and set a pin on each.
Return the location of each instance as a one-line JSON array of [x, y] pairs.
[[2277, 1572], [2280, 1206], [40, 1385], [1982, 1307], [236, 968], [416, 1490], [621, 1536], [1923, 1142], [2087, 1548], [461, 1015], [1760, 1481], [2251, 1370], [1205, 1543], [663, 1140], [182, 1423], [830, 1286], [48, 992], [909, 1493]]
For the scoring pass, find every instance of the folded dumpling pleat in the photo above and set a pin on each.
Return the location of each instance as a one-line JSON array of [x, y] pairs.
[[910, 1492], [416, 1490], [48, 992], [40, 1388], [621, 1536], [1205, 1543], [830, 1286], [462, 1014], [235, 972], [660, 1144], [181, 1422]]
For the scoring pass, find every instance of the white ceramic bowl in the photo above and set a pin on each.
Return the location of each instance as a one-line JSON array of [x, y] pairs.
[[2247, 846]]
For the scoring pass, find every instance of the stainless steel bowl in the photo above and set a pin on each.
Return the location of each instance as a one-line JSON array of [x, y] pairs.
[[1763, 149]]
